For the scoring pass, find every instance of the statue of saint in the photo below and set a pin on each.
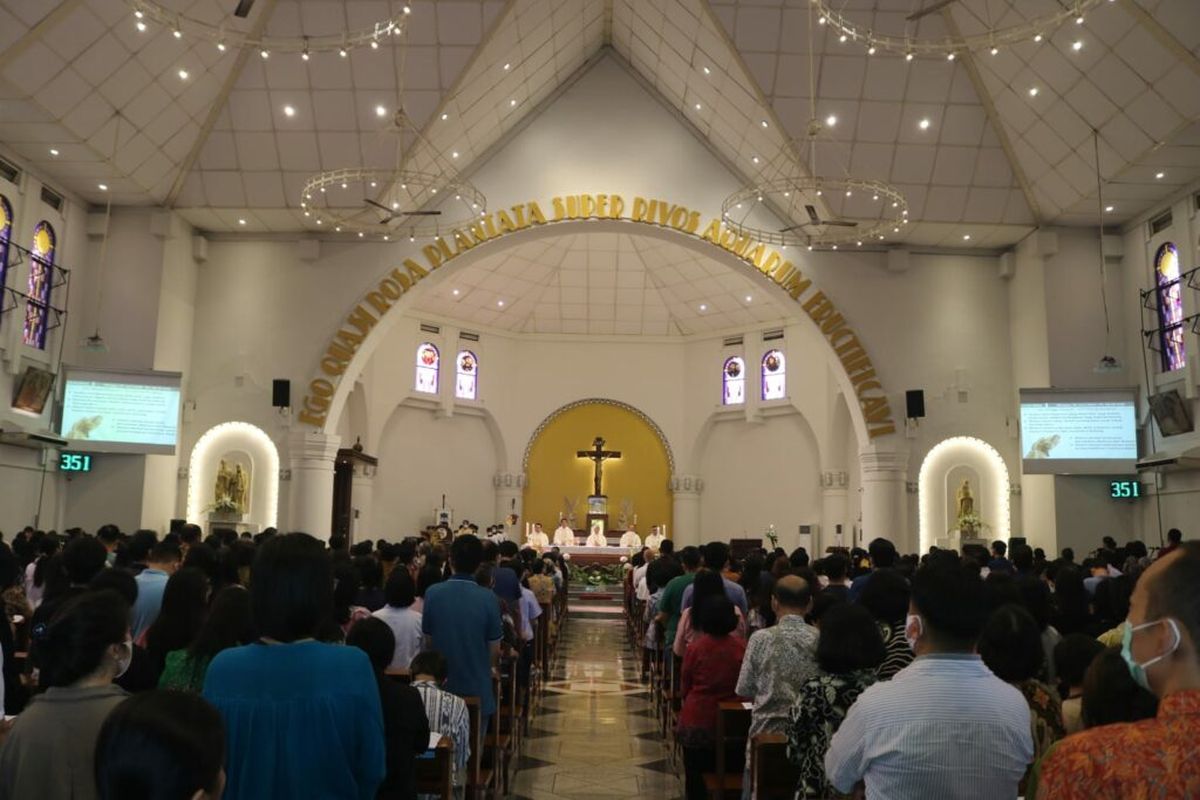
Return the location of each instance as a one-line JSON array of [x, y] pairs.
[[223, 488], [240, 489], [966, 501]]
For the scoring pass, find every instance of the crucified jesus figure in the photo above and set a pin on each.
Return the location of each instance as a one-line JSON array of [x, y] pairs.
[[599, 455]]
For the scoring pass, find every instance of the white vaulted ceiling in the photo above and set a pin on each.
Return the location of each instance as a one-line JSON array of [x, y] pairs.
[[995, 161], [603, 284]]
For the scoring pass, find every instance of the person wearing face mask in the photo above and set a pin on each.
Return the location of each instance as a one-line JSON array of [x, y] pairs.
[[48, 754], [944, 726], [1161, 648]]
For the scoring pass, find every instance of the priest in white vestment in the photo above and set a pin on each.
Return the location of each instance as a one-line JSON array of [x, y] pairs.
[[596, 538], [537, 537], [631, 540], [655, 539], [563, 535]]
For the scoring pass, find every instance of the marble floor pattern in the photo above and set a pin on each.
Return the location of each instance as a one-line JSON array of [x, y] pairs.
[[595, 734]]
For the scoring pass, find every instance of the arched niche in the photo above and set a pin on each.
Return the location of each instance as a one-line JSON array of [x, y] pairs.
[[946, 465], [237, 443], [554, 474]]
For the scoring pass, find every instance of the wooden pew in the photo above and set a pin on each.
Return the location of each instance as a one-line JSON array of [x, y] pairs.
[[435, 775], [481, 780], [733, 728], [772, 775], [399, 675]]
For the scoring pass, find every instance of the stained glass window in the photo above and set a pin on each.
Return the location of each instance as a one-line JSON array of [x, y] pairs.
[[774, 383], [427, 368], [467, 384], [41, 278], [734, 381], [1170, 307], [6, 220]]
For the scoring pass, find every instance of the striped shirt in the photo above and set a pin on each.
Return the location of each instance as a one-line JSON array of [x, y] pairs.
[[944, 726], [448, 716]]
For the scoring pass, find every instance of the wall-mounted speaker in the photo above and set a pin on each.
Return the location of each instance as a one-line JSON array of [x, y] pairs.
[[281, 393], [914, 402]]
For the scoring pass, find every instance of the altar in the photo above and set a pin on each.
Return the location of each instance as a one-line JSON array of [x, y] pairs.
[[582, 555]]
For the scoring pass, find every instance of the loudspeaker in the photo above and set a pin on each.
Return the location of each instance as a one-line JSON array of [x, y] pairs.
[[281, 393], [914, 400]]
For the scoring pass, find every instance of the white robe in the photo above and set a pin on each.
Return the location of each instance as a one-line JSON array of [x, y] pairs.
[[564, 536], [631, 539], [538, 539], [597, 540], [654, 540]]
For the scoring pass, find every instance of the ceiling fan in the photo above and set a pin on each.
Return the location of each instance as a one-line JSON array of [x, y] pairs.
[[243, 8], [924, 12], [392, 214], [816, 220]]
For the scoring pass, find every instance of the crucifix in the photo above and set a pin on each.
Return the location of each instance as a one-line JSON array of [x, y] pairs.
[[599, 455]]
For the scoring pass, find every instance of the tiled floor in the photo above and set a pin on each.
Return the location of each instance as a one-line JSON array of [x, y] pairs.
[[595, 734]]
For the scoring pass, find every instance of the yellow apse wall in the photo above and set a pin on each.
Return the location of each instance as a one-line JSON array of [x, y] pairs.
[[553, 472]]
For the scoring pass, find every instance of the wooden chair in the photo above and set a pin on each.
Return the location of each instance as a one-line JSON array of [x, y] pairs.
[[435, 775], [481, 780], [772, 775], [399, 675], [733, 728], [501, 746]]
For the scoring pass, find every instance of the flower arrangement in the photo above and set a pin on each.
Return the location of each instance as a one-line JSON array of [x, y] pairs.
[[772, 536], [223, 506], [969, 524]]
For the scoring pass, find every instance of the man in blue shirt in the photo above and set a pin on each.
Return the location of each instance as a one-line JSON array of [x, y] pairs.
[[883, 556], [461, 620], [161, 564]]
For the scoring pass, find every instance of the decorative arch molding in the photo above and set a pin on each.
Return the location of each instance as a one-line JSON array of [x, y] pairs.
[[264, 465], [350, 347], [933, 493], [478, 412], [604, 401], [726, 414]]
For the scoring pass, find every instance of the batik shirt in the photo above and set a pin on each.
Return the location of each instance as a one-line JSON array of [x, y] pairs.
[[779, 661], [448, 716], [1153, 758], [820, 707]]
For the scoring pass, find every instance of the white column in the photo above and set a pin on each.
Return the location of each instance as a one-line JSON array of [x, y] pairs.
[[833, 511], [510, 492], [685, 528], [884, 498], [312, 456]]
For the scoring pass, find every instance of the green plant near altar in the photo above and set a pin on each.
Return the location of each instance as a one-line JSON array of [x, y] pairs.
[[597, 574]]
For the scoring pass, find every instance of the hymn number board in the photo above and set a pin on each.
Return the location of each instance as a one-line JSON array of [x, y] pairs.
[[1124, 490], [74, 462]]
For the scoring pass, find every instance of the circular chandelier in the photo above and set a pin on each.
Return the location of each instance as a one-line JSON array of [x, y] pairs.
[[391, 203], [819, 211], [853, 27], [224, 37], [394, 202]]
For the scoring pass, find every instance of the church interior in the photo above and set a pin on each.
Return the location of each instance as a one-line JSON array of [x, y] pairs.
[[588, 276]]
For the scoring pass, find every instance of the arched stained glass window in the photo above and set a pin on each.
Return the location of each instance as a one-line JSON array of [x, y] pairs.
[[733, 378], [466, 386], [428, 361], [41, 279], [1170, 308], [774, 382], [6, 221]]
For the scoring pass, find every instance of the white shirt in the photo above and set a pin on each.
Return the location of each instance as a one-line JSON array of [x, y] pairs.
[[596, 539], [641, 588], [530, 611], [538, 539], [944, 726], [406, 625], [631, 539], [564, 536]]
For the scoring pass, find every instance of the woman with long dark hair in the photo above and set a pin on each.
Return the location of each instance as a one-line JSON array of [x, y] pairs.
[[184, 606], [229, 623], [1071, 612]]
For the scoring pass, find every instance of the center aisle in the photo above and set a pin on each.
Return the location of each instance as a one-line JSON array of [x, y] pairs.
[[595, 733]]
